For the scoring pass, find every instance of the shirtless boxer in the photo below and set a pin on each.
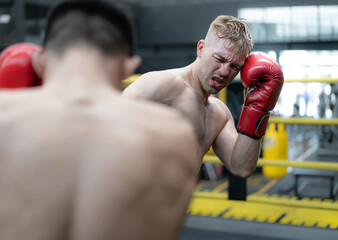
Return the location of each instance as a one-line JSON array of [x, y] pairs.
[[220, 57], [78, 161]]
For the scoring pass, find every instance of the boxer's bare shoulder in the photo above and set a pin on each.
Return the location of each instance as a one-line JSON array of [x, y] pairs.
[[160, 86], [12, 102]]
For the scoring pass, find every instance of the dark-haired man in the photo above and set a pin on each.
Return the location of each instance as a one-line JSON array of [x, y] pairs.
[[78, 161]]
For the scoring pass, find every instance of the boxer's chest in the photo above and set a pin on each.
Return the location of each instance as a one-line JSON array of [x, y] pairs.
[[192, 107]]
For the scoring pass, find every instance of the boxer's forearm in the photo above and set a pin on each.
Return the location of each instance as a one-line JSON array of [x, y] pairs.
[[262, 78], [245, 155]]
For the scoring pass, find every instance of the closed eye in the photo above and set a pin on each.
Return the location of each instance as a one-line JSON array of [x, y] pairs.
[[236, 67], [219, 59]]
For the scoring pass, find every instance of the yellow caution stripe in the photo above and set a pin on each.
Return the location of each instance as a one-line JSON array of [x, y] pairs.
[[261, 212], [327, 204], [333, 166], [274, 199], [130, 80], [306, 121], [309, 80]]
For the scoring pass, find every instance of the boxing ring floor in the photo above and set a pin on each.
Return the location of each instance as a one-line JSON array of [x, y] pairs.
[[211, 228], [273, 210], [262, 216]]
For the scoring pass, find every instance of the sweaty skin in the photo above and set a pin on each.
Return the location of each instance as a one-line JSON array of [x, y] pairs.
[[78, 161], [188, 89]]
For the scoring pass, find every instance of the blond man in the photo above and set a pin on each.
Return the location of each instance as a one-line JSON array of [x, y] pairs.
[[220, 57]]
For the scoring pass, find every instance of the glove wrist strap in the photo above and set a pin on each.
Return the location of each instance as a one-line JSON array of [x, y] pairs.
[[253, 122]]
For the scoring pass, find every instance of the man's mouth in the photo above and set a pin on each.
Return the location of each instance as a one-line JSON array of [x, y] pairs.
[[216, 82]]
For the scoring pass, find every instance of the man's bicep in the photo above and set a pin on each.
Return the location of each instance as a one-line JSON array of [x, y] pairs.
[[225, 142]]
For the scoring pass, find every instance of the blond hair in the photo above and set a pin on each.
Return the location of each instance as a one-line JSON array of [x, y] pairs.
[[234, 29]]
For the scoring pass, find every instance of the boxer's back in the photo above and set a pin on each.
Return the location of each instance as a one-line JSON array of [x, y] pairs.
[[85, 169]]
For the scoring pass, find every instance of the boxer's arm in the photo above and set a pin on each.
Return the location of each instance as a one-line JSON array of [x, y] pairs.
[[263, 79], [238, 152]]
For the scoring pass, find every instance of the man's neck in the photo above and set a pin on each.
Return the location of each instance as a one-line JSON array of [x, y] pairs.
[[195, 82], [81, 71]]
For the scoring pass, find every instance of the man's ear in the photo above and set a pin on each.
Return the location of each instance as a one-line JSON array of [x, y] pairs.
[[129, 65], [200, 46], [39, 63]]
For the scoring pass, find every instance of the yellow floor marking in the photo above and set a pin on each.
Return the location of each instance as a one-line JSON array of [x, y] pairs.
[[238, 217], [322, 224], [221, 186], [221, 195], [321, 216], [333, 225], [202, 204], [294, 202], [309, 223], [275, 200], [260, 212], [297, 222], [249, 217], [272, 219], [266, 187], [285, 220]]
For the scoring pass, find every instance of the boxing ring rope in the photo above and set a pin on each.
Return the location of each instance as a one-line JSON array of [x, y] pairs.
[[132, 78], [310, 80], [282, 163], [126, 82], [307, 121]]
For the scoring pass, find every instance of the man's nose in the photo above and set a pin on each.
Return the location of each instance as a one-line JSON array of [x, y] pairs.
[[224, 69]]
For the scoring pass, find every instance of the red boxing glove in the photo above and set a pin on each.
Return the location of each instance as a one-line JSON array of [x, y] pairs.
[[263, 80], [16, 70]]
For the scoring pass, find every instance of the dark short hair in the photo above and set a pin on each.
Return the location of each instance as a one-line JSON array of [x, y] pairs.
[[103, 24]]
